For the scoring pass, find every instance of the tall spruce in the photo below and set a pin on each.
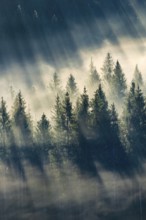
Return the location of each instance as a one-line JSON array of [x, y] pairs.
[[59, 123], [107, 145], [43, 130], [108, 67], [118, 150], [100, 113], [135, 121], [83, 120], [94, 78], [22, 126], [137, 77], [83, 109], [100, 117], [69, 118], [5, 124], [56, 82], [67, 111], [58, 115], [71, 86], [119, 86]]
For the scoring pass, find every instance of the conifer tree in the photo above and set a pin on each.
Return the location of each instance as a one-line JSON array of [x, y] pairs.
[[84, 154], [55, 85], [21, 121], [94, 78], [118, 82], [59, 123], [92, 67], [69, 118], [107, 144], [108, 68], [43, 130], [137, 77], [100, 117], [83, 111], [5, 124], [67, 111], [99, 108], [118, 151], [71, 86], [58, 115], [135, 121], [83, 120]]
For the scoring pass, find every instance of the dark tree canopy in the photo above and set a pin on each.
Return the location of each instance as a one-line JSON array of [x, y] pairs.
[[83, 128], [135, 120]]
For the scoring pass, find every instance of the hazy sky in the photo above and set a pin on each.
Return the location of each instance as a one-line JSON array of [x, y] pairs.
[[38, 37], [56, 29]]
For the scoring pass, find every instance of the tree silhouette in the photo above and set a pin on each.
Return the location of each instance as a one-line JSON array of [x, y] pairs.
[[5, 124], [22, 126], [94, 78], [135, 121], [108, 68], [71, 86], [137, 77], [118, 82], [43, 130]]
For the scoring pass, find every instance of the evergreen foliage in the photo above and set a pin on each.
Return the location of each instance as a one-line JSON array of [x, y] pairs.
[[87, 133], [135, 121], [118, 82], [56, 83], [43, 130], [108, 68], [94, 78], [71, 86], [21, 121], [5, 124], [137, 77]]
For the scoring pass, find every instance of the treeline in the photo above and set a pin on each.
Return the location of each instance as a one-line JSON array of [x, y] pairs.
[[82, 129]]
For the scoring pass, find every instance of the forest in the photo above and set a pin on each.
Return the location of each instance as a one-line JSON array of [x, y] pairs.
[[84, 156], [105, 124]]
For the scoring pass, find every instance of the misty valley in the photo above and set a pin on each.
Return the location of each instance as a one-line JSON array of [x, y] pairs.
[[85, 157]]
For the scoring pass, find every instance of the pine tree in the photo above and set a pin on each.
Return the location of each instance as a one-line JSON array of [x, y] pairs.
[[12, 92], [83, 109], [135, 121], [83, 119], [92, 67], [94, 78], [69, 118], [65, 128], [114, 120], [104, 123], [137, 77], [59, 123], [71, 86], [67, 111], [55, 82], [5, 124], [58, 115], [118, 151], [21, 121], [100, 120], [108, 68], [118, 82], [99, 108], [84, 153], [43, 130]]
